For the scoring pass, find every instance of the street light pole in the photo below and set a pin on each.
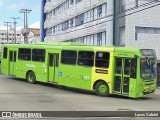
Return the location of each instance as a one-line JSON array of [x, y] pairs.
[[7, 24], [25, 30], [15, 29]]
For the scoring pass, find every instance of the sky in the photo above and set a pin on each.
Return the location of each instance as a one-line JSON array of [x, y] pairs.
[[11, 8]]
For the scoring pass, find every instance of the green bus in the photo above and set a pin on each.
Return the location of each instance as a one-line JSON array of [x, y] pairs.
[[0, 56], [123, 71]]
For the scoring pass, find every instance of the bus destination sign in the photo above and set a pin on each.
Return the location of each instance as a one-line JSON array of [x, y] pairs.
[[148, 52]]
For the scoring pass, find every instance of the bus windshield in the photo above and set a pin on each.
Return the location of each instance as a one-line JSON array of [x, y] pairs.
[[148, 68]]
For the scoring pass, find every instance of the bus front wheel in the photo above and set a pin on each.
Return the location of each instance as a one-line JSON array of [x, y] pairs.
[[102, 89], [31, 78]]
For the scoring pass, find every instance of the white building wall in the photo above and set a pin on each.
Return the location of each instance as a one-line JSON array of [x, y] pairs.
[[88, 28], [33, 39], [148, 21], [71, 12], [104, 39], [71, 33]]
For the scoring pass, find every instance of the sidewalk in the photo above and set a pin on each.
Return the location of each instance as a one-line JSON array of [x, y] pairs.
[[157, 90]]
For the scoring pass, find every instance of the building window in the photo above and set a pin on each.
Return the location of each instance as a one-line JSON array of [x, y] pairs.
[[76, 1], [122, 5], [24, 54], [53, 12], [65, 25], [102, 59], [71, 2], [147, 30], [150, 30], [53, 30], [71, 22], [99, 11], [99, 39], [79, 19], [136, 3], [85, 58], [48, 32], [60, 27], [38, 55], [68, 57], [65, 5], [136, 35], [122, 35], [48, 0]]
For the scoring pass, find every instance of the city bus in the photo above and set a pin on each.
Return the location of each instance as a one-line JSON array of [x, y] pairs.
[[130, 72]]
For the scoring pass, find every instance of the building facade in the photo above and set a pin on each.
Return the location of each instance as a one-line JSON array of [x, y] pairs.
[[75, 21], [130, 23], [10, 39], [34, 36]]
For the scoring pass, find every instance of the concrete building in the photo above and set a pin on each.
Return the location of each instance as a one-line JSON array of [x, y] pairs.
[[102, 22], [75, 21], [34, 36], [3, 37]]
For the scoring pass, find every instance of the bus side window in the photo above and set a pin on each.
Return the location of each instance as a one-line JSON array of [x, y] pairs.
[[5, 51], [85, 58], [38, 55], [133, 68], [68, 57], [24, 54], [102, 59]]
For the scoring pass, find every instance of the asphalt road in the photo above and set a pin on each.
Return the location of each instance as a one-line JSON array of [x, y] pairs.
[[18, 95]]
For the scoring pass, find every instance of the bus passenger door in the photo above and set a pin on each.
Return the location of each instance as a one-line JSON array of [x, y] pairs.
[[122, 75], [12, 63], [53, 65]]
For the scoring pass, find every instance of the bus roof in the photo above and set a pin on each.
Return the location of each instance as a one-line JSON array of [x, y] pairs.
[[73, 45]]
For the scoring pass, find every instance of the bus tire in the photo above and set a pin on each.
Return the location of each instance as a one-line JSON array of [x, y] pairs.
[[31, 78], [102, 89]]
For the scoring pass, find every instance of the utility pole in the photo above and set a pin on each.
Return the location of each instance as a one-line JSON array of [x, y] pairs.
[[15, 29], [25, 30], [7, 24]]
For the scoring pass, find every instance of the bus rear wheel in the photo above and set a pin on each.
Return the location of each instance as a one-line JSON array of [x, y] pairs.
[[102, 89], [31, 78]]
